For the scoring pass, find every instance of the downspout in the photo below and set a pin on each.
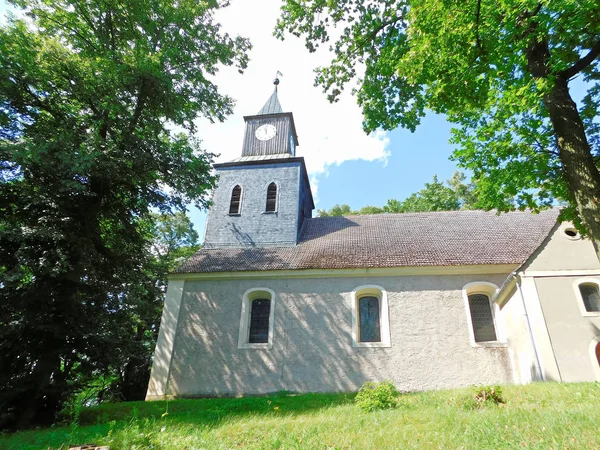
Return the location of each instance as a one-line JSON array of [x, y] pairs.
[[529, 330]]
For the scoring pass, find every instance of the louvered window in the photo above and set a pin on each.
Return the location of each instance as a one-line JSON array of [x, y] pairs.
[[236, 197], [259, 321], [368, 319], [590, 296], [482, 318], [271, 198]]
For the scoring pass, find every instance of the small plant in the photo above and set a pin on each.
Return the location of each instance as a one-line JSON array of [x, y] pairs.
[[373, 396], [486, 396]]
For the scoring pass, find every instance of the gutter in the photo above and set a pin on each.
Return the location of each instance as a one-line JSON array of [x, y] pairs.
[[501, 298]]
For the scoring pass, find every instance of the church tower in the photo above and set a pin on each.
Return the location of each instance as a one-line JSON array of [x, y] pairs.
[[262, 197]]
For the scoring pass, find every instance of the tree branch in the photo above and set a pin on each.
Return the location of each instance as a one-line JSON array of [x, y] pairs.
[[583, 62]]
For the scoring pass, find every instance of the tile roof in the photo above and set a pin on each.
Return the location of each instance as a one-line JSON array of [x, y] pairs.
[[392, 240]]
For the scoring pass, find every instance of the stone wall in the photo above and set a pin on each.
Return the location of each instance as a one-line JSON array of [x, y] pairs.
[[253, 226]]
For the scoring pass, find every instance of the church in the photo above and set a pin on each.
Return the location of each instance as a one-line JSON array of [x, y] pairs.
[[278, 300]]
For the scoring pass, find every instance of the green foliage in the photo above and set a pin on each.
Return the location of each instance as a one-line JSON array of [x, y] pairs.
[[89, 96], [500, 71], [374, 396], [483, 396], [435, 196], [537, 416]]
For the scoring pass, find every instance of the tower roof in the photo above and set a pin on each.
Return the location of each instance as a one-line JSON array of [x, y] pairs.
[[272, 106]]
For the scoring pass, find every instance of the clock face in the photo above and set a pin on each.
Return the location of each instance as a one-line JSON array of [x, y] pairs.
[[265, 132]]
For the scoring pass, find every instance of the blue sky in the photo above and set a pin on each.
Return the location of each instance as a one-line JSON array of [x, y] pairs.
[[344, 164]]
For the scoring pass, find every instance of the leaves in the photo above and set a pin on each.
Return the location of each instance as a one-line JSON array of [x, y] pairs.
[[90, 93], [494, 68], [435, 196]]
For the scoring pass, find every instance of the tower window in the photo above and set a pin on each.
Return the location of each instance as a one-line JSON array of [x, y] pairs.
[[271, 198], [236, 200]]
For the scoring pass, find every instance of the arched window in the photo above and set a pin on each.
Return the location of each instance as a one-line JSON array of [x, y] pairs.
[[587, 292], [482, 319], [260, 309], [590, 296], [271, 198], [256, 323], [595, 356], [236, 200], [481, 316], [370, 317]]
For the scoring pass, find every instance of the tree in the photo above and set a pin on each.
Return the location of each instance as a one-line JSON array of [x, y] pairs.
[[173, 239], [502, 72], [336, 211], [435, 196], [89, 95]]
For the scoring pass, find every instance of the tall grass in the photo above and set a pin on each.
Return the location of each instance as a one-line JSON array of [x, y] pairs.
[[538, 416]]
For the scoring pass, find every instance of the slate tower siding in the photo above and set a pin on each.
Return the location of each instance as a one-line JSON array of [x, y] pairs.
[[253, 226]]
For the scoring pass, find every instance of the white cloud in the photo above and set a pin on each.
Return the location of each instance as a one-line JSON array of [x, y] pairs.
[[328, 133]]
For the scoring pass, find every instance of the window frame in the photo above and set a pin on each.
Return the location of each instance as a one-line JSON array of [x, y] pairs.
[[489, 289], [276, 198], [578, 282], [239, 213], [371, 290], [244, 334]]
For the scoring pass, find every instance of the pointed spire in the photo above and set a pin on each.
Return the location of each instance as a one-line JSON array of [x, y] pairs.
[[272, 106]]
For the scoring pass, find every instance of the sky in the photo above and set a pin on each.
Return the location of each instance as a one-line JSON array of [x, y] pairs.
[[344, 164]]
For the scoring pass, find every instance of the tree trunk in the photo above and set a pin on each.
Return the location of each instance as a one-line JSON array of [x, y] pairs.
[[579, 168]]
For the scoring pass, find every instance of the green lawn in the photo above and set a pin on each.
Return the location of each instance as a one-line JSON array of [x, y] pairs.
[[538, 416]]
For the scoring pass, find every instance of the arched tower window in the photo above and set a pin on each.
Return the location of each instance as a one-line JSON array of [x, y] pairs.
[[271, 198], [236, 200]]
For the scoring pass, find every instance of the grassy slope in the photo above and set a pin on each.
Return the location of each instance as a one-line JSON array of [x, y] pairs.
[[541, 416]]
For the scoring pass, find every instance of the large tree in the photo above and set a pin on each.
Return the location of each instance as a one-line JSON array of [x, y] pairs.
[[502, 71], [90, 93], [172, 239]]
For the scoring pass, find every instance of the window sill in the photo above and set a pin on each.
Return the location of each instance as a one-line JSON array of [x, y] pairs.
[[234, 214], [270, 212], [491, 344], [590, 313], [248, 346], [371, 344]]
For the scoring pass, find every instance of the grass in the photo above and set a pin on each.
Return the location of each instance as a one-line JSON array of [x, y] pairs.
[[537, 416]]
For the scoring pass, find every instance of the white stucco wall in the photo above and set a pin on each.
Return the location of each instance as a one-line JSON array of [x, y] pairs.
[[312, 343], [525, 362]]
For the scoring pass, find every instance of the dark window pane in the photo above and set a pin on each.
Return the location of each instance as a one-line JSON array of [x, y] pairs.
[[259, 321], [271, 198], [368, 317], [481, 317], [591, 297], [236, 195]]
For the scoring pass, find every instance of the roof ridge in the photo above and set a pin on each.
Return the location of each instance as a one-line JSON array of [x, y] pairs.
[[457, 211]]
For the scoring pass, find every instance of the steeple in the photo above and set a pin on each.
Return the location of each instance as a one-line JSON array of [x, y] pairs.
[[271, 131], [272, 106]]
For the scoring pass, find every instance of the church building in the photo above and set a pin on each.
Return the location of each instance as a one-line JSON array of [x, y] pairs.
[[277, 300]]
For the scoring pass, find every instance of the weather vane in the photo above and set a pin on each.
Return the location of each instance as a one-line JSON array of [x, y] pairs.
[[276, 80]]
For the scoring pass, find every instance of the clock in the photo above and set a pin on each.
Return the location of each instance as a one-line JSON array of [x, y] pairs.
[[265, 132]]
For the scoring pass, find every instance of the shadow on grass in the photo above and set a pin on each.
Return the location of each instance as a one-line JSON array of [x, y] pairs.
[[211, 411]]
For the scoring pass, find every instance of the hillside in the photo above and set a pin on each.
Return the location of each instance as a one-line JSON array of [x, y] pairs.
[[537, 416]]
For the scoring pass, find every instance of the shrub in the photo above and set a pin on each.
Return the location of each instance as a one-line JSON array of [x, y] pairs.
[[485, 396], [373, 396]]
